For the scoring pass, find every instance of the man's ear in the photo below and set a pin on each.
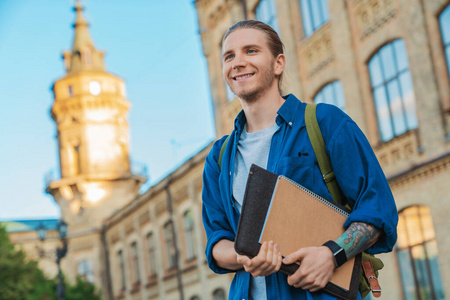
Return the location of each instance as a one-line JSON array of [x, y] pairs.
[[280, 63]]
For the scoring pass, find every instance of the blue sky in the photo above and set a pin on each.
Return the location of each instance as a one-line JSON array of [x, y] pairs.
[[153, 45]]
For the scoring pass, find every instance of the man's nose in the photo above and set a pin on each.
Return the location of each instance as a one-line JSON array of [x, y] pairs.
[[239, 62]]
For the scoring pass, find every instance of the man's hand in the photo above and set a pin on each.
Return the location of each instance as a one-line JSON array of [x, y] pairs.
[[268, 260], [316, 268]]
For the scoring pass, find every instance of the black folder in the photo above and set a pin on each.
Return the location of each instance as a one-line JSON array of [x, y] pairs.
[[262, 189]]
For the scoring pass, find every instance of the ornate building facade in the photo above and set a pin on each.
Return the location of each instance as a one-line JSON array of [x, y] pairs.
[[385, 62], [130, 245]]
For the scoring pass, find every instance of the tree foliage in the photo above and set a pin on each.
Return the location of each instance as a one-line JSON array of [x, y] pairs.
[[21, 279]]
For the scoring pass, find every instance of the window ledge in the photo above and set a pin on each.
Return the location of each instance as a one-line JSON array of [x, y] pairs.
[[136, 287], [170, 273], [399, 153], [152, 280]]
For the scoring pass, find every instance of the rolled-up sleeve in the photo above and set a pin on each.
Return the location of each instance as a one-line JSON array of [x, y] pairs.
[[364, 184], [215, 219]]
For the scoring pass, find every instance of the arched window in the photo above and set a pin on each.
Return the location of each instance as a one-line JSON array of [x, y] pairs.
[[314, 14], [444, 21], [267, 12], [417, 255], [189, 235], [219, 294], [332, 93], [392, 90]]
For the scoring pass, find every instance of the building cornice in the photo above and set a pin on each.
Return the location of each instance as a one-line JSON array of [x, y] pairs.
[[159, 187], [421, 171]]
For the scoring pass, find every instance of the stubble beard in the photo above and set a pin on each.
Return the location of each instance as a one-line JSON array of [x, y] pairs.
[[251, 96]]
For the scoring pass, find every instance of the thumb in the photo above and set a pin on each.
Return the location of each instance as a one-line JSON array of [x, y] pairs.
[[243, 260], [294, 256]]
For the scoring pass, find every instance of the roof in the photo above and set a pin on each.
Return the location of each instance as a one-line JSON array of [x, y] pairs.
[[29, 225]]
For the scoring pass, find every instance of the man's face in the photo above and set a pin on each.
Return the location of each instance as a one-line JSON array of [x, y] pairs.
[[248, 64]]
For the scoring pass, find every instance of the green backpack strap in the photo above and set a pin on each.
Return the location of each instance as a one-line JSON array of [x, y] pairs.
[[318, 144], [222, 150]]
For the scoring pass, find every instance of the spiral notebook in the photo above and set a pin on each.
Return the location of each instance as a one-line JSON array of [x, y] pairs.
[[279, 209]]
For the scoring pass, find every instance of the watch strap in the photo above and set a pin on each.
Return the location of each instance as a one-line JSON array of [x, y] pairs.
[[339, 255]]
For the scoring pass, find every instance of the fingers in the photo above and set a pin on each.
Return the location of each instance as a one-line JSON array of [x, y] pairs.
[[267, 261], [308, 282], [278, 258], [269, 253], [315, 270], [294, 256]]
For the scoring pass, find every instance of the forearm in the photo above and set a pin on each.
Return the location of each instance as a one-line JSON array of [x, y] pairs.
[[358, 237], [225, 255]]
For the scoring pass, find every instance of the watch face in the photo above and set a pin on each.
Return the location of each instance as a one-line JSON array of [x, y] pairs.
[[95, 88]]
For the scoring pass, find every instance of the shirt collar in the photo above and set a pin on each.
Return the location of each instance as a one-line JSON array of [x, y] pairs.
[[286, 113]]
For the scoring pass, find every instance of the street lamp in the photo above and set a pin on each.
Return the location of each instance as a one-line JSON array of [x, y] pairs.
[[60, 253], [41, 230]]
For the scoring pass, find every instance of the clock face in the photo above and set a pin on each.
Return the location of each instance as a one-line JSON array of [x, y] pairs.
[[95, 88]]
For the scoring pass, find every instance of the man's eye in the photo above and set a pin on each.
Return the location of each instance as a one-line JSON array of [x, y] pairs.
[[251, 51], [228, 57]]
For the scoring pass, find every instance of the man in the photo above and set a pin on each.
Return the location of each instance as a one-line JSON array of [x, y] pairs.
[[270, 132]]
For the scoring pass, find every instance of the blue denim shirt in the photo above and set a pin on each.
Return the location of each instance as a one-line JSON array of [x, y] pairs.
[[356, 167]]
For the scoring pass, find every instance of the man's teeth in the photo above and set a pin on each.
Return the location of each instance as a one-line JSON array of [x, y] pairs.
[[243, 77]]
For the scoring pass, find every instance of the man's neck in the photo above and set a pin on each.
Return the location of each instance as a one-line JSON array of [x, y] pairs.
[[261, 114]]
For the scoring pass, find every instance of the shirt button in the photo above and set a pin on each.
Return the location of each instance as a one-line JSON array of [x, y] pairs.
[[230, 173], [290, 123]]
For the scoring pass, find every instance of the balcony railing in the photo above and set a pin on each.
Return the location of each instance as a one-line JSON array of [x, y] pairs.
[[136, 168]]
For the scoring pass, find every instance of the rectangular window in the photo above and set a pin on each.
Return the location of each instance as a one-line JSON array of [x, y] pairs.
[[230, 95], [76, 160], [151, 253], [189, 234], [314, 14], [444, 22], [266, 12], [170, 245], [122, 269], [135, 258], [85, 270]]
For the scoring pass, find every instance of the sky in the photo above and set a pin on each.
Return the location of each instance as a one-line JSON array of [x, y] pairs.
[[153, 45]]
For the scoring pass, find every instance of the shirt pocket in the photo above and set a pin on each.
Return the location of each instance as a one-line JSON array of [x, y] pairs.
[[299, 169]]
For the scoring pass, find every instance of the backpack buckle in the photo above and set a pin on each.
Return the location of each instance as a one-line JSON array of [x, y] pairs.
[[328, 177]]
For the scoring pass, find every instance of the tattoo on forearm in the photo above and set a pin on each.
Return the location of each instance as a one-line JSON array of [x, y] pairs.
[[357, 238]]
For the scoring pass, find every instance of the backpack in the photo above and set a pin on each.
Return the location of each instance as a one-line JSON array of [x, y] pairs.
[[370, 264]]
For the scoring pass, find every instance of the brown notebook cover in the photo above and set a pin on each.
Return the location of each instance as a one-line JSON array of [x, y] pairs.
[[279, 209]]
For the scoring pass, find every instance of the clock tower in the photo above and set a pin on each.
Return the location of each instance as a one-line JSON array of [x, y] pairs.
[[90, 112]]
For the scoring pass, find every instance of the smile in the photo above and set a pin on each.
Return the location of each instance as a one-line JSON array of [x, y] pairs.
[[243, 77]]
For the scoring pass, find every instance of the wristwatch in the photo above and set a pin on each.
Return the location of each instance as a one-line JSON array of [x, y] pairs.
[[339, 255]]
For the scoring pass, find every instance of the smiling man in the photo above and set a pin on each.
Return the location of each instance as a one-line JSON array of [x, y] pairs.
[[270, 132]]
